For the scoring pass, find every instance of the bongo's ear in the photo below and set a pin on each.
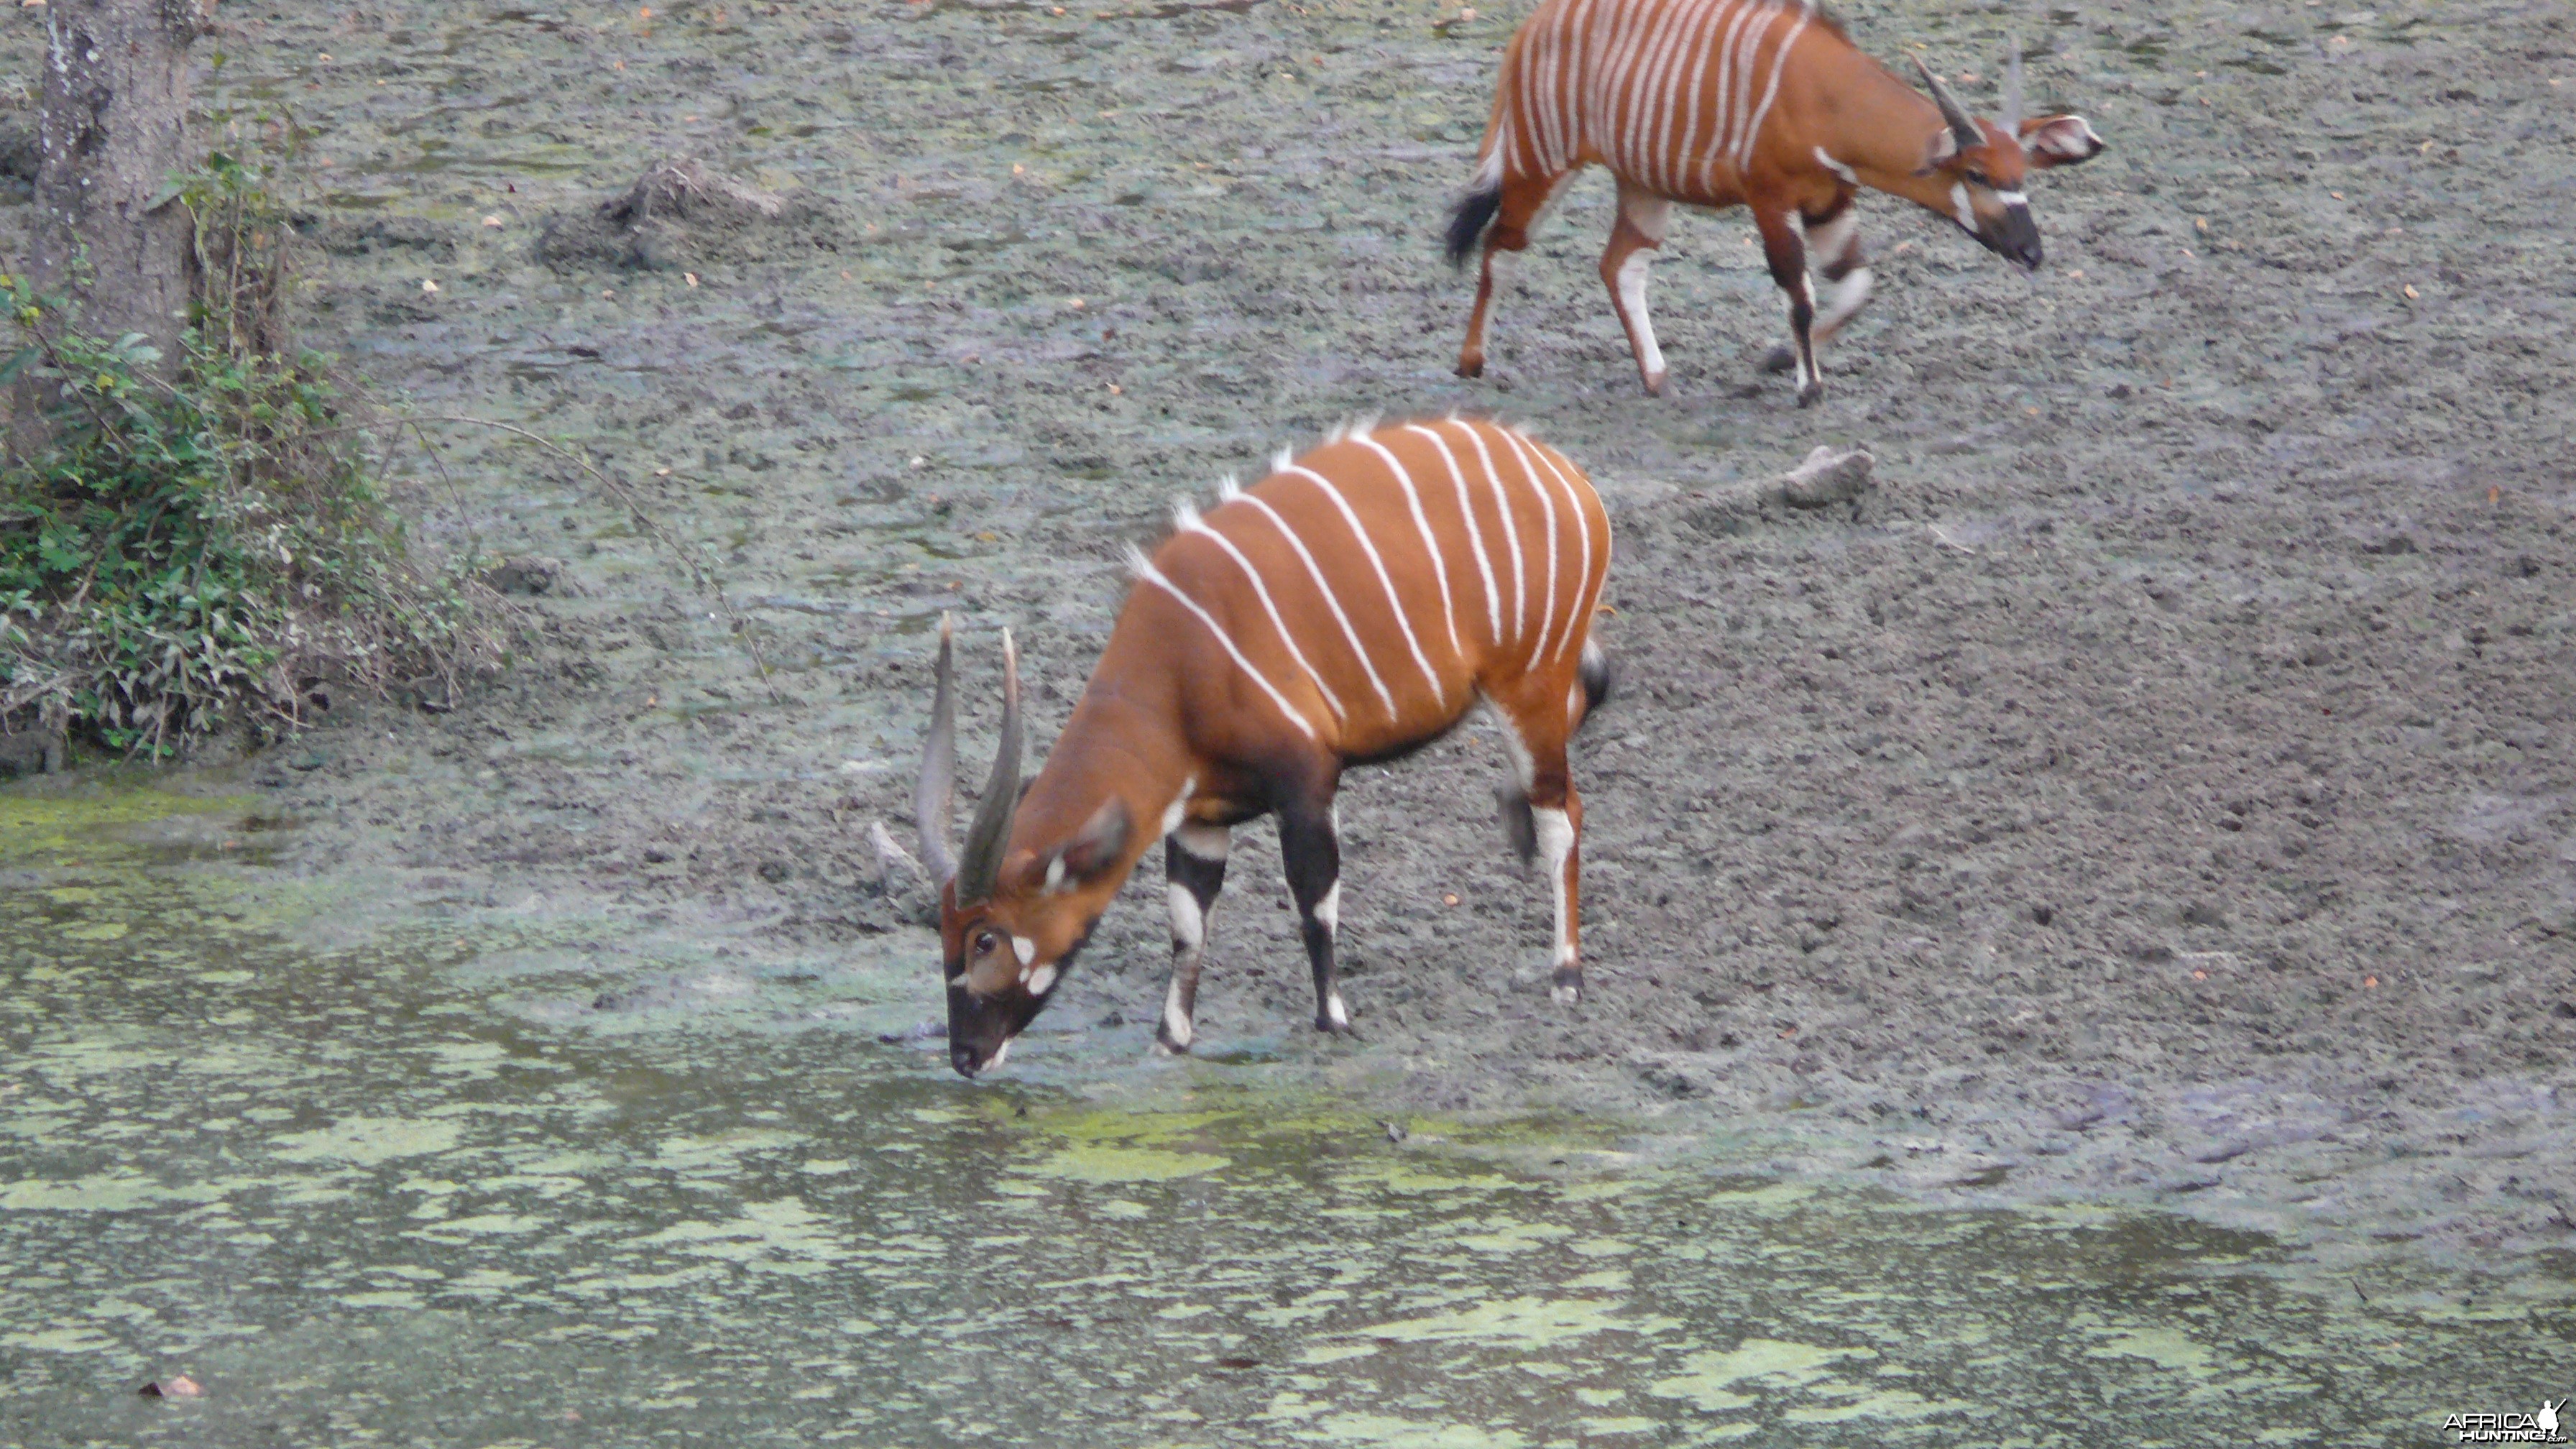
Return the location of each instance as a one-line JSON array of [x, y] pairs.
[[1093, 849], [2059, 141]]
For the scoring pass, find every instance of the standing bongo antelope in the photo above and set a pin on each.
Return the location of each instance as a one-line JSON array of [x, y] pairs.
[[1758, 103], [1349, 608]]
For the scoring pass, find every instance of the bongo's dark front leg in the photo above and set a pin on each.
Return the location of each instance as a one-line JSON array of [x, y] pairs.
[[1786, 252], [1310, 847], [1193, 872]]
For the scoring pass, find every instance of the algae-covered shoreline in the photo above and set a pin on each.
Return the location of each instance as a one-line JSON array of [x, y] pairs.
[[367, 1186]]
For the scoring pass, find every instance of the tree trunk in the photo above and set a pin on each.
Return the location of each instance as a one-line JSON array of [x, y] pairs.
[[111, 129]]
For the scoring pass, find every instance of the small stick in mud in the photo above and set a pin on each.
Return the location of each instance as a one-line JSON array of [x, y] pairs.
[[1350, 608]]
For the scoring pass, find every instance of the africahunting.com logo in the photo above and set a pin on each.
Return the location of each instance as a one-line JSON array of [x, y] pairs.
[[2508, 1428]]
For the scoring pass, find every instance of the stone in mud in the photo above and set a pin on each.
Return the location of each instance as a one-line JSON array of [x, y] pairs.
[[34, 751], [1827, 476], [386, 232], [18, 149], [1829, 482], [685, 213], [530, 576]]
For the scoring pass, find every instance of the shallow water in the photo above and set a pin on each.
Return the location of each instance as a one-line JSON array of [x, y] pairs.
[[460, 1179]]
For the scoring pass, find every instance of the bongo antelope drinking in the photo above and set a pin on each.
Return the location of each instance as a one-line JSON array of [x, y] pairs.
[[1759, 103], [1349, 608]]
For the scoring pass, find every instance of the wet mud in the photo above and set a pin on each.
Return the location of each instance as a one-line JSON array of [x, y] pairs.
[[2160, 790]]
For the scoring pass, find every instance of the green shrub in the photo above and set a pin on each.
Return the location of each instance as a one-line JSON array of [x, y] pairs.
[[214, 553]]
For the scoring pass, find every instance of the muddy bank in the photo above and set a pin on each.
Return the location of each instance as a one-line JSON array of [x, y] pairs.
[[2163, 789]]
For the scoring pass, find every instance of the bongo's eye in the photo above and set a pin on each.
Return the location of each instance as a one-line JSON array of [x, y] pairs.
[[985, 943]]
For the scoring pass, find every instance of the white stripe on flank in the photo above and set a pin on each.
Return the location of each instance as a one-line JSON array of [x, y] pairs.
[[1598, 40], [1581, 19], [1683, 86], [1655, 34], [1146, 571], [1546, 69], [1681, 110], [1601, 117], [1721, 109], [1475, 534], [1582, 533], [1703, 43], [1368, 546], [1657, 93], [1579, 39], [1533, 95], [1190, 522], [1517, 121], [1738, 13], [1439, 564], [1747, 57], [1547, 509], [1511, 529], [1331, 601], [1627, 122], [1771, 91]]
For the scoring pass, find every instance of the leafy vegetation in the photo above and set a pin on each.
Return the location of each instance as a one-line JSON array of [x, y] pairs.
[[215, 552]]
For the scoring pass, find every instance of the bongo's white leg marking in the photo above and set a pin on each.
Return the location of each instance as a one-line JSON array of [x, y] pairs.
[[1328, 911], [1174, 812], [1632, 298], [1524, 767], [1849, 294], [1555, 844], [1189, 923], [1176, 1017], [1803, 295]]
